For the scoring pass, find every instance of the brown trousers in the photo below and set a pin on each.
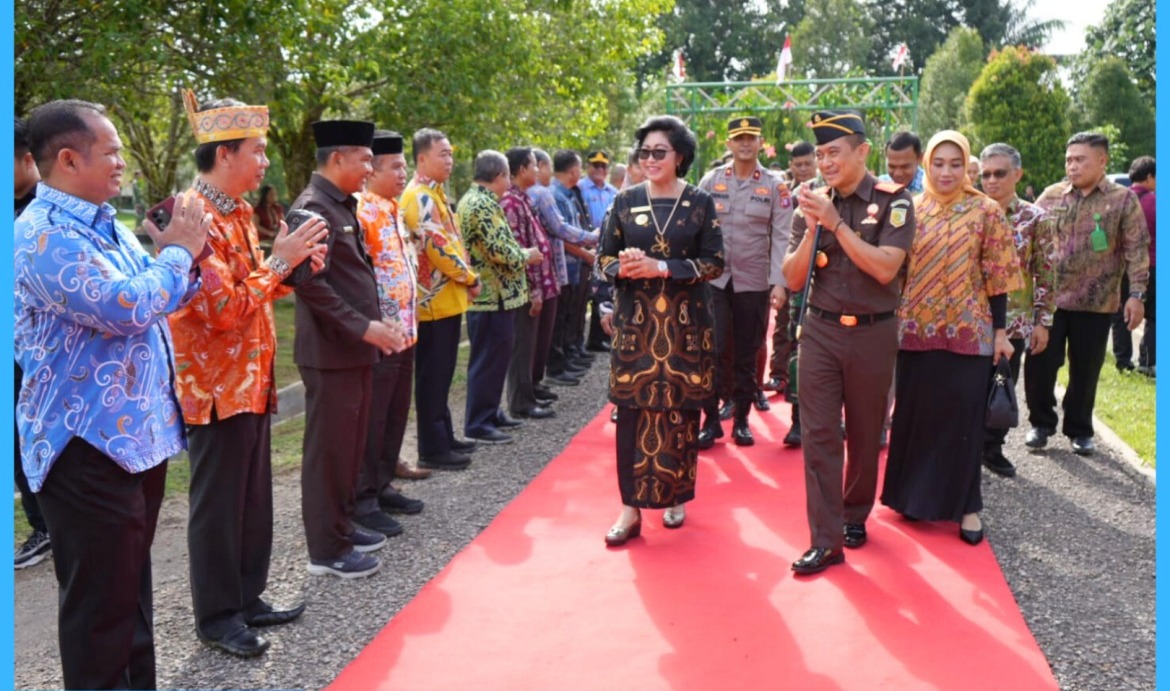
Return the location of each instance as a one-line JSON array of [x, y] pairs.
[[850, 367]]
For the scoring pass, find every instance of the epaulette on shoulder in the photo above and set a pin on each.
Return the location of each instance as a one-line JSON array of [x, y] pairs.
[[889, 187]]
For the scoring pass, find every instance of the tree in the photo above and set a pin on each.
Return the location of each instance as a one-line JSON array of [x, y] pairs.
[[947, 78], [832, 40], [1018, 99], [1126, 32], [722, 42], [1109, 96]]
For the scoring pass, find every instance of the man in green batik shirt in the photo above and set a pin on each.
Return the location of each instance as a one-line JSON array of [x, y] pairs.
[[1100, 234]]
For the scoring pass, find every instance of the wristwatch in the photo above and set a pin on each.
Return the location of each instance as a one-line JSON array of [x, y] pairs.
[[662, 268], [279, 266], [1138, 295]]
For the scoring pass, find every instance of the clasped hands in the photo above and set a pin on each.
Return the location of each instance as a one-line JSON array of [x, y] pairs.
[[818, 208], [386, 335], [633, 263]]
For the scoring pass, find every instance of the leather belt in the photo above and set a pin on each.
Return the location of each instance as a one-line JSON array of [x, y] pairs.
[[850, 319]]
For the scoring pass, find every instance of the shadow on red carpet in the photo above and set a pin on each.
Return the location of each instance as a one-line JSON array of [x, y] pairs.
[[537, 601]]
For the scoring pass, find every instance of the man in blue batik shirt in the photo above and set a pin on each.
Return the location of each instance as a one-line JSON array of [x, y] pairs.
[[97, 413], [904, 162]]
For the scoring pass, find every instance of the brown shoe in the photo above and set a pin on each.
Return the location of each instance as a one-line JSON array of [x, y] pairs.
[[406, 472]]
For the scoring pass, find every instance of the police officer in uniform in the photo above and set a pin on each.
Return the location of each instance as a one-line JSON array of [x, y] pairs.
[[849, 334], [755, 210]]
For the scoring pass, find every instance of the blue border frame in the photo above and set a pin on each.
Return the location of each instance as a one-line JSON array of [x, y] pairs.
[[7, 481], [1161, 444]]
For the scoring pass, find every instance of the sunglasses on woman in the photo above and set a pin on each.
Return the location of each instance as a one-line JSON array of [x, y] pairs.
[[658, 154]]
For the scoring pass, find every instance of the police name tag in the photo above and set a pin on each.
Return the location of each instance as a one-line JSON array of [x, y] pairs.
[[347, 229]]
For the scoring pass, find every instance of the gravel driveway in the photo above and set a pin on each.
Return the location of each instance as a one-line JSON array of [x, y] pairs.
[[1075, 538]]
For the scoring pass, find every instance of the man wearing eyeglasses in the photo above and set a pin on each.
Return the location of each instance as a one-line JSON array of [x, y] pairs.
[[755, 211], [1029, 308]]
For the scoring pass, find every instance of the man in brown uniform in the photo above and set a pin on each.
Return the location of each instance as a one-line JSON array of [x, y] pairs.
[[340, 334], [849, 336], [1100, 234]]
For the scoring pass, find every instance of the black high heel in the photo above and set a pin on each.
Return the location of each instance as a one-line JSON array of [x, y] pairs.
[[971, 537]]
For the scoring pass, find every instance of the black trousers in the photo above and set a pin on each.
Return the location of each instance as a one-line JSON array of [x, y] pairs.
[[102, 520], [28, 500], [393, 378], [1123, 337], [561, 333], [229, 529], [741, 320], [1085, 334], [994, 438], [337, 409], [526, 368], [576, 297], [434, 367], [492, 336]]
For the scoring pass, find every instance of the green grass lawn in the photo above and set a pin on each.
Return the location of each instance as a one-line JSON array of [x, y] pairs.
[[1126, 403]]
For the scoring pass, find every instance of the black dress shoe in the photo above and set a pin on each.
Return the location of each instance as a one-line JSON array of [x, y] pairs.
[[1037, 438], [492, 438], [971, 537], [817, 559], [262, 614], [243, 642], [584, 356], [452, 460], [543, 391], [1083, 446], [543, 402], [997, 463], [793, 436], [396, 502], [463, 445], [761, 403], [741, 433], [710, 432], [574, 368], [727, 411], [601, 347], [536, 413], [855, 535], [561, 380], [506, 421], [774, 384]]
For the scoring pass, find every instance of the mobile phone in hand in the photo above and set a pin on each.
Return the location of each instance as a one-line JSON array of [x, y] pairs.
[[160, 214]]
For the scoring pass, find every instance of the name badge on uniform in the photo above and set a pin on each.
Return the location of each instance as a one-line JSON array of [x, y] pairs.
[[720, 187], [347, 229], [640, 209], [762, 190]]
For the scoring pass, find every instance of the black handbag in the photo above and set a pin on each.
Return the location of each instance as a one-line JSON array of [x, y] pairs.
[[1002, 410]]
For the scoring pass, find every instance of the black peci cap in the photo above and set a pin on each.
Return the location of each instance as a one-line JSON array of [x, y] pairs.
[[330, 133]]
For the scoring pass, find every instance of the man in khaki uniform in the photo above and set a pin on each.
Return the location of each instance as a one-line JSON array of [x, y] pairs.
[[755, 211], [849, 334]]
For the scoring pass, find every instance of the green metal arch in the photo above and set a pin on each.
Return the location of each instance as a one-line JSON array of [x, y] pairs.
[[889, 104]]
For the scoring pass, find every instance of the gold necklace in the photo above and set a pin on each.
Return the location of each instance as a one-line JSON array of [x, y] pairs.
[[660, 245]]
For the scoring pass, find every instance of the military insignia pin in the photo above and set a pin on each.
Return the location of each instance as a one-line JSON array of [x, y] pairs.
[[642, 219]]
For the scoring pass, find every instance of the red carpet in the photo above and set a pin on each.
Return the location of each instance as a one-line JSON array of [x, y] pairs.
[[538, 602]]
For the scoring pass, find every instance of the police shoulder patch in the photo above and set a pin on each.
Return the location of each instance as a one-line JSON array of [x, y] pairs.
[[888, 187], [905, 203]]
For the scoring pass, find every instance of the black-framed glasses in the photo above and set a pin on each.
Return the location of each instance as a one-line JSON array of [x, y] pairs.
[[997, 174], [658, 154]]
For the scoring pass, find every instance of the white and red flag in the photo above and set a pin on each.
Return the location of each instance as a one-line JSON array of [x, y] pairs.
[[785, 60], [678, 69], [901, 56]]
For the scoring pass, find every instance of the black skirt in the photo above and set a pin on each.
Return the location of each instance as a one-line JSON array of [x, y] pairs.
[[657, 456], [936, 437]]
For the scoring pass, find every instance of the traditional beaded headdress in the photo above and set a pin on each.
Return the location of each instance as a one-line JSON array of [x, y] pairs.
[[225, 124]]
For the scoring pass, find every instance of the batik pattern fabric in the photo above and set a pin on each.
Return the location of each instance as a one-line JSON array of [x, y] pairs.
[[1031, 305], [662, 355], [528, 231], [92, 337], [963, 253], [497, 257], [657, 456], [395, 261], [225, 337], [1088, 278], [444, 270]]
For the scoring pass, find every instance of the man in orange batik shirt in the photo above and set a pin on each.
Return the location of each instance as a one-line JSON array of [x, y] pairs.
[[225, 342]]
